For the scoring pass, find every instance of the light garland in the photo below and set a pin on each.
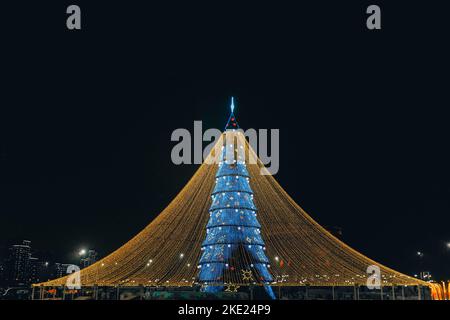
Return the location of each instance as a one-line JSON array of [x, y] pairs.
[[301, 252]]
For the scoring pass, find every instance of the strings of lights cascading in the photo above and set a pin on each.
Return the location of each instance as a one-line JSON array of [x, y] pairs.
[[440, 291], [300, 251], [314, 256]]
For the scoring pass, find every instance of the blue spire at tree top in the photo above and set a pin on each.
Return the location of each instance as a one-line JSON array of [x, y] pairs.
[[232, 122]]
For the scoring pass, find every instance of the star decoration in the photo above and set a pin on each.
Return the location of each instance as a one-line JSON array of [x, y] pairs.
[[247, 275], [232, 288]]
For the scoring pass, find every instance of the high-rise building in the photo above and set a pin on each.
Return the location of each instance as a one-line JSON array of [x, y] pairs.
[[60, 269], [19, 264], [2, 274], [38, 270], [425, 275], [21, 268], [89, 259]]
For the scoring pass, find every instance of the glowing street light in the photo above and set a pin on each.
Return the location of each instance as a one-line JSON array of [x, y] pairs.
[[82, 252], [420, 254]]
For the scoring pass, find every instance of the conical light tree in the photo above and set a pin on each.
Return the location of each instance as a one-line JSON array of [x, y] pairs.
[[234, 247]]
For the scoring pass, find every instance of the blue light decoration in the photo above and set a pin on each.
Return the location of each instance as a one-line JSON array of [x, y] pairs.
[[233, 244]]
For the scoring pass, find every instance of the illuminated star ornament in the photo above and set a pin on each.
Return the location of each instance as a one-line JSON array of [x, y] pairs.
[[232, 288], [247, 275]]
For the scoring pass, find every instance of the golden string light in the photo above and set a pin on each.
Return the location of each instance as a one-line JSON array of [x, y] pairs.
[[301, 252], [440, 290]]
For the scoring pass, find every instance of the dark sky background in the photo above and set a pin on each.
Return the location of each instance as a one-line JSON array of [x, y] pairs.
[[86, 117]]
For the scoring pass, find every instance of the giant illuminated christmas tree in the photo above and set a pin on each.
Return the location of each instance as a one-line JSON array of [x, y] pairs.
[[233, 250], [218, 243]]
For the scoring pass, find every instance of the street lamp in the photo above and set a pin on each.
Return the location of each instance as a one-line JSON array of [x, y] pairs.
[[82, 252], [448, 245]]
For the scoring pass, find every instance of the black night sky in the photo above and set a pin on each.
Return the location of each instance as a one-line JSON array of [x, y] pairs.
[[86, 117]]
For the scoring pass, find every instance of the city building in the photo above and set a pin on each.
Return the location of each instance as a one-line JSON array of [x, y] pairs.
[[425, 275], [19, 264], [39, 270], [60, 269], [20, 268], [89, 259], [34, 270], [2, 274]]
